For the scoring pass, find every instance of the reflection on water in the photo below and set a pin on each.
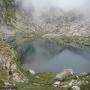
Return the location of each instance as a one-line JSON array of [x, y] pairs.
[[43, 60]]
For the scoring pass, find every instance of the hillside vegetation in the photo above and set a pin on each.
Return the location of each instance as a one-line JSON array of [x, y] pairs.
[[18, 30]]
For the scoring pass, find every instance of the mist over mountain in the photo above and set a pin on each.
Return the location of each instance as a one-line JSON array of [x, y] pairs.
[[42, 5], [41, 38], [54, 16], [46, 10]]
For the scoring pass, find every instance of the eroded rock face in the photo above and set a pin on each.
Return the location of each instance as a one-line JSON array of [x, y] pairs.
[[8, 68]]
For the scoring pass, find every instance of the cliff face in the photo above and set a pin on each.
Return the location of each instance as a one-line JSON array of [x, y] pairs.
[[9, 70]]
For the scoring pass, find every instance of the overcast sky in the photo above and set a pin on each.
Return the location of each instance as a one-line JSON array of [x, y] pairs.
[[65, 4], [40, 5]]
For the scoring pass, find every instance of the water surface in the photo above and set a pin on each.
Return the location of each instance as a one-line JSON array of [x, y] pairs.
[[56, 58]]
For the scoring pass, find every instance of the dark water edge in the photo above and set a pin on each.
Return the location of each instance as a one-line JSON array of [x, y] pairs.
[[43, 56]]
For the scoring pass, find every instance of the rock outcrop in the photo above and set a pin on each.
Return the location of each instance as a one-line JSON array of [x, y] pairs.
[[65, 73], [68, 79], [9, 71]]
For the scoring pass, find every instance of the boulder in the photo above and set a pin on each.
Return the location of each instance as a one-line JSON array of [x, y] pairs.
[[66, 72], [32, 71], [75, 88], [57, 83]]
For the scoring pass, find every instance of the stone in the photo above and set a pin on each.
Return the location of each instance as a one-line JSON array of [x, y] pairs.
[[77, 77], [65, 73], [57, 83], [69, 71], [17, 78], [25, 80], [13, 67], [32, 71], [37, 77], [79, 83], [75, 88], [51, 35], [7, 84], [84, 73], [65, 86], [71, 83], [8, 65]]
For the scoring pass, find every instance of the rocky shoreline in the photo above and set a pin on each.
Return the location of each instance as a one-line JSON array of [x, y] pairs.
[[66, 80]]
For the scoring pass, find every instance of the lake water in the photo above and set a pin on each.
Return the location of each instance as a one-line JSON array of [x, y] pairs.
[[56, 58]]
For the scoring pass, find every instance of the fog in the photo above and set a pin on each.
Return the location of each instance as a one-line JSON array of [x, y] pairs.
[[39, 5], [39, 8]]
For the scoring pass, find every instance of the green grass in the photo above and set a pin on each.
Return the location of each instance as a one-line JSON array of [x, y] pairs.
[[39, 87], [85, 87]]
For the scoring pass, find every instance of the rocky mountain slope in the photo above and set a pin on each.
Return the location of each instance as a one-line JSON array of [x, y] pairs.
[[69, 28], [9, 70], [55, 20]]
